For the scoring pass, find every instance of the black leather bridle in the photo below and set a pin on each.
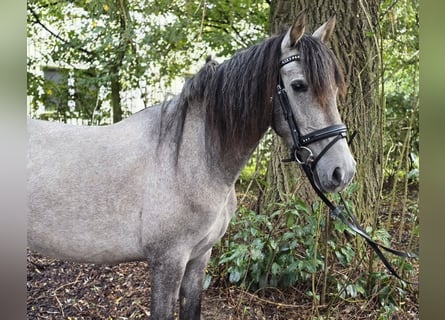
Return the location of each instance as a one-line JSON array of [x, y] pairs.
[[300, 144]]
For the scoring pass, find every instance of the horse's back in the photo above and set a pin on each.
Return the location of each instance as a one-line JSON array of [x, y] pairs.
[[85, 189]]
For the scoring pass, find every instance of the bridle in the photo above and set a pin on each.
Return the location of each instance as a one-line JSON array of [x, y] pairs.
[[301, 142]]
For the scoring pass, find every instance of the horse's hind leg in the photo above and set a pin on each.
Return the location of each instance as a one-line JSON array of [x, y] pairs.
[[191, 287], [166, 276]]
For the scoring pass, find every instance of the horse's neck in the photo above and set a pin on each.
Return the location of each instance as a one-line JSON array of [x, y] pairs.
[[193, 150]]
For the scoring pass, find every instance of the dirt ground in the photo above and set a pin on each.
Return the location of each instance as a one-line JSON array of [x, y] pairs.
[[65, 290]]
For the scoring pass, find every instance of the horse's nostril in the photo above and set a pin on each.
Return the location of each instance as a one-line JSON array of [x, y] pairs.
[[337, 176]]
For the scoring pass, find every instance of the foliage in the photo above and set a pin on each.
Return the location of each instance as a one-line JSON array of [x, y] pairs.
[[283, 248], [400, 47], [133, 47], [271, 250], [296, 244]]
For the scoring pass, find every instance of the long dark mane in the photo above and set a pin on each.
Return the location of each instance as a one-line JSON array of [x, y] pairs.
[[236, 94]]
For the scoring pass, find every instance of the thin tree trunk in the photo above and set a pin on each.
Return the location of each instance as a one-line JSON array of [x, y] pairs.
[[125, 42], [115, 95]]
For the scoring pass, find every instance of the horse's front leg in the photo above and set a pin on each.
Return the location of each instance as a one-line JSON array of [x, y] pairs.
[[191, 288], [166, 276]]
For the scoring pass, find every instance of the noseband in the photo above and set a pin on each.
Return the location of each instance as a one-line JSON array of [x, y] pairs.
[[301, 142]]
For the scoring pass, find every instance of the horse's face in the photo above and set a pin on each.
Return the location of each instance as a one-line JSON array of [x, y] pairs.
[[335, 168]]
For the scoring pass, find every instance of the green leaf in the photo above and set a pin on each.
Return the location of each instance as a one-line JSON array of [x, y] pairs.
[[235, 276], [276, 269], [207, 281]]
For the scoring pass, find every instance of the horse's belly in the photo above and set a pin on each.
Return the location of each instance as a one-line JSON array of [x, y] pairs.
[[102, 243], [84, 229], [84, 194]]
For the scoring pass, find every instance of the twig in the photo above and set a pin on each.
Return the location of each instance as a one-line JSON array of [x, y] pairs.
[[278, 304], [62, 286], [39, 22], [201, 27], [147, 312]]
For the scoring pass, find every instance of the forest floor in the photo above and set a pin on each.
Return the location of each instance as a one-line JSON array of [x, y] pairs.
[[65, 290]]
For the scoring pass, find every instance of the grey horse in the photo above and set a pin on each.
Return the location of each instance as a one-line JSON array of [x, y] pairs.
[[159, 185]]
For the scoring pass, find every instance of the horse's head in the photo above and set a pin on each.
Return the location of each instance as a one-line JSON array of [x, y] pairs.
[[305, 112]]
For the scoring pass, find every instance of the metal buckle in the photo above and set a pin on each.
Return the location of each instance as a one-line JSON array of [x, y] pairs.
[[309, 158]]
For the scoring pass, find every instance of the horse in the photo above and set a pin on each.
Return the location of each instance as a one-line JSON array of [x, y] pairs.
[[159, 185]]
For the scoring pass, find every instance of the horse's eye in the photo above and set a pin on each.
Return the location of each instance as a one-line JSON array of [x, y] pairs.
[[299, 85]]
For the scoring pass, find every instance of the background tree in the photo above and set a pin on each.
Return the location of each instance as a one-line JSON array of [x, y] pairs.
[[126, 45], [94, 36]]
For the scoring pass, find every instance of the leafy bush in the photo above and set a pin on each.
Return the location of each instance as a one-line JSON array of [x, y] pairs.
[[290, 246], [272, 250]]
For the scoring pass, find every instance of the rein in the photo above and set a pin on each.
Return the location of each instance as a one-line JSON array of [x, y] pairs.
[[300, 145]]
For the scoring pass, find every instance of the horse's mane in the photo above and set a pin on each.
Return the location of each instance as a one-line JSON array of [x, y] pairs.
[[320, 63], [235, 96]]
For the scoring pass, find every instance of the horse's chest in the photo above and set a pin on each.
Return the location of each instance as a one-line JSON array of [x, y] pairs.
[[219, 225]]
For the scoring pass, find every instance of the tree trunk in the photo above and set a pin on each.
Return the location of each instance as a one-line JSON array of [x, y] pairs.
[[122, 17], [115, 94], [355, 43]]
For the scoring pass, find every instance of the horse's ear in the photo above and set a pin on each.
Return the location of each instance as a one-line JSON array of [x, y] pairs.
[[325, 31], [296, 31]]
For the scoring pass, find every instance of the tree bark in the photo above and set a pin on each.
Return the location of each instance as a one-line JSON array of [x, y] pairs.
[[122, 18], [356, 45], [116, 106]]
